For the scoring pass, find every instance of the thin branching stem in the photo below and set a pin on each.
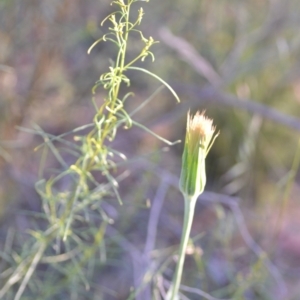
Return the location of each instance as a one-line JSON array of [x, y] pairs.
[[189, 208], [70, 194]]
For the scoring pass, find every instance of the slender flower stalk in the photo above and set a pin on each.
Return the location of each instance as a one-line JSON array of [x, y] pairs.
[[200, 135]]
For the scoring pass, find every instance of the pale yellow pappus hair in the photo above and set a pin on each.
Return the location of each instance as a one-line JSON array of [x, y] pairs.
[[200, 135]]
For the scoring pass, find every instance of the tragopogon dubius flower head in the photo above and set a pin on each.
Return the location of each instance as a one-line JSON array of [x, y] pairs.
[[200, 135]]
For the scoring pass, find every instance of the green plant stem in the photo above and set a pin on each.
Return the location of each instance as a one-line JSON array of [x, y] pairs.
[[120, 63], [189, 209]]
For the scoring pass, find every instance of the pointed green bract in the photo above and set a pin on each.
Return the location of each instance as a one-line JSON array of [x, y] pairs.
[[192, 178], [198, 140]]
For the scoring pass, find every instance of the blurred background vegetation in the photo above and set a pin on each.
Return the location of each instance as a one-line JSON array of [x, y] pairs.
[[238, 60]]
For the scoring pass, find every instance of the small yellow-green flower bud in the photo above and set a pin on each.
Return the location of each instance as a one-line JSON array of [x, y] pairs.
[[198, 140]]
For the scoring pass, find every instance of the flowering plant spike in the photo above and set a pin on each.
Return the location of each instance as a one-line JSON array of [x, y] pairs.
[[198, 141], [200, 135]]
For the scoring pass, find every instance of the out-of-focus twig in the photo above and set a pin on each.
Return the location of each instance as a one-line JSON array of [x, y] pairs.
[[212, 94], [199, 292], [233, 204], [276, 18], [154, 216], [194, 291], [250, 242], [135, 254], [151, 236], [189, 54], [141, 261]]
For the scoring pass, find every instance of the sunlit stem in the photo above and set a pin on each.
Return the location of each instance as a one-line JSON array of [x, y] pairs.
[[189, 208]]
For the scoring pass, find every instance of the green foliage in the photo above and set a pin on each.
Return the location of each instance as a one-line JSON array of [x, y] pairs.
[[79, 242], [75, 222]]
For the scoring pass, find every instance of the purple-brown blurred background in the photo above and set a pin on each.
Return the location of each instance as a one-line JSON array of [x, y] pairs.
[[238, 60]]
